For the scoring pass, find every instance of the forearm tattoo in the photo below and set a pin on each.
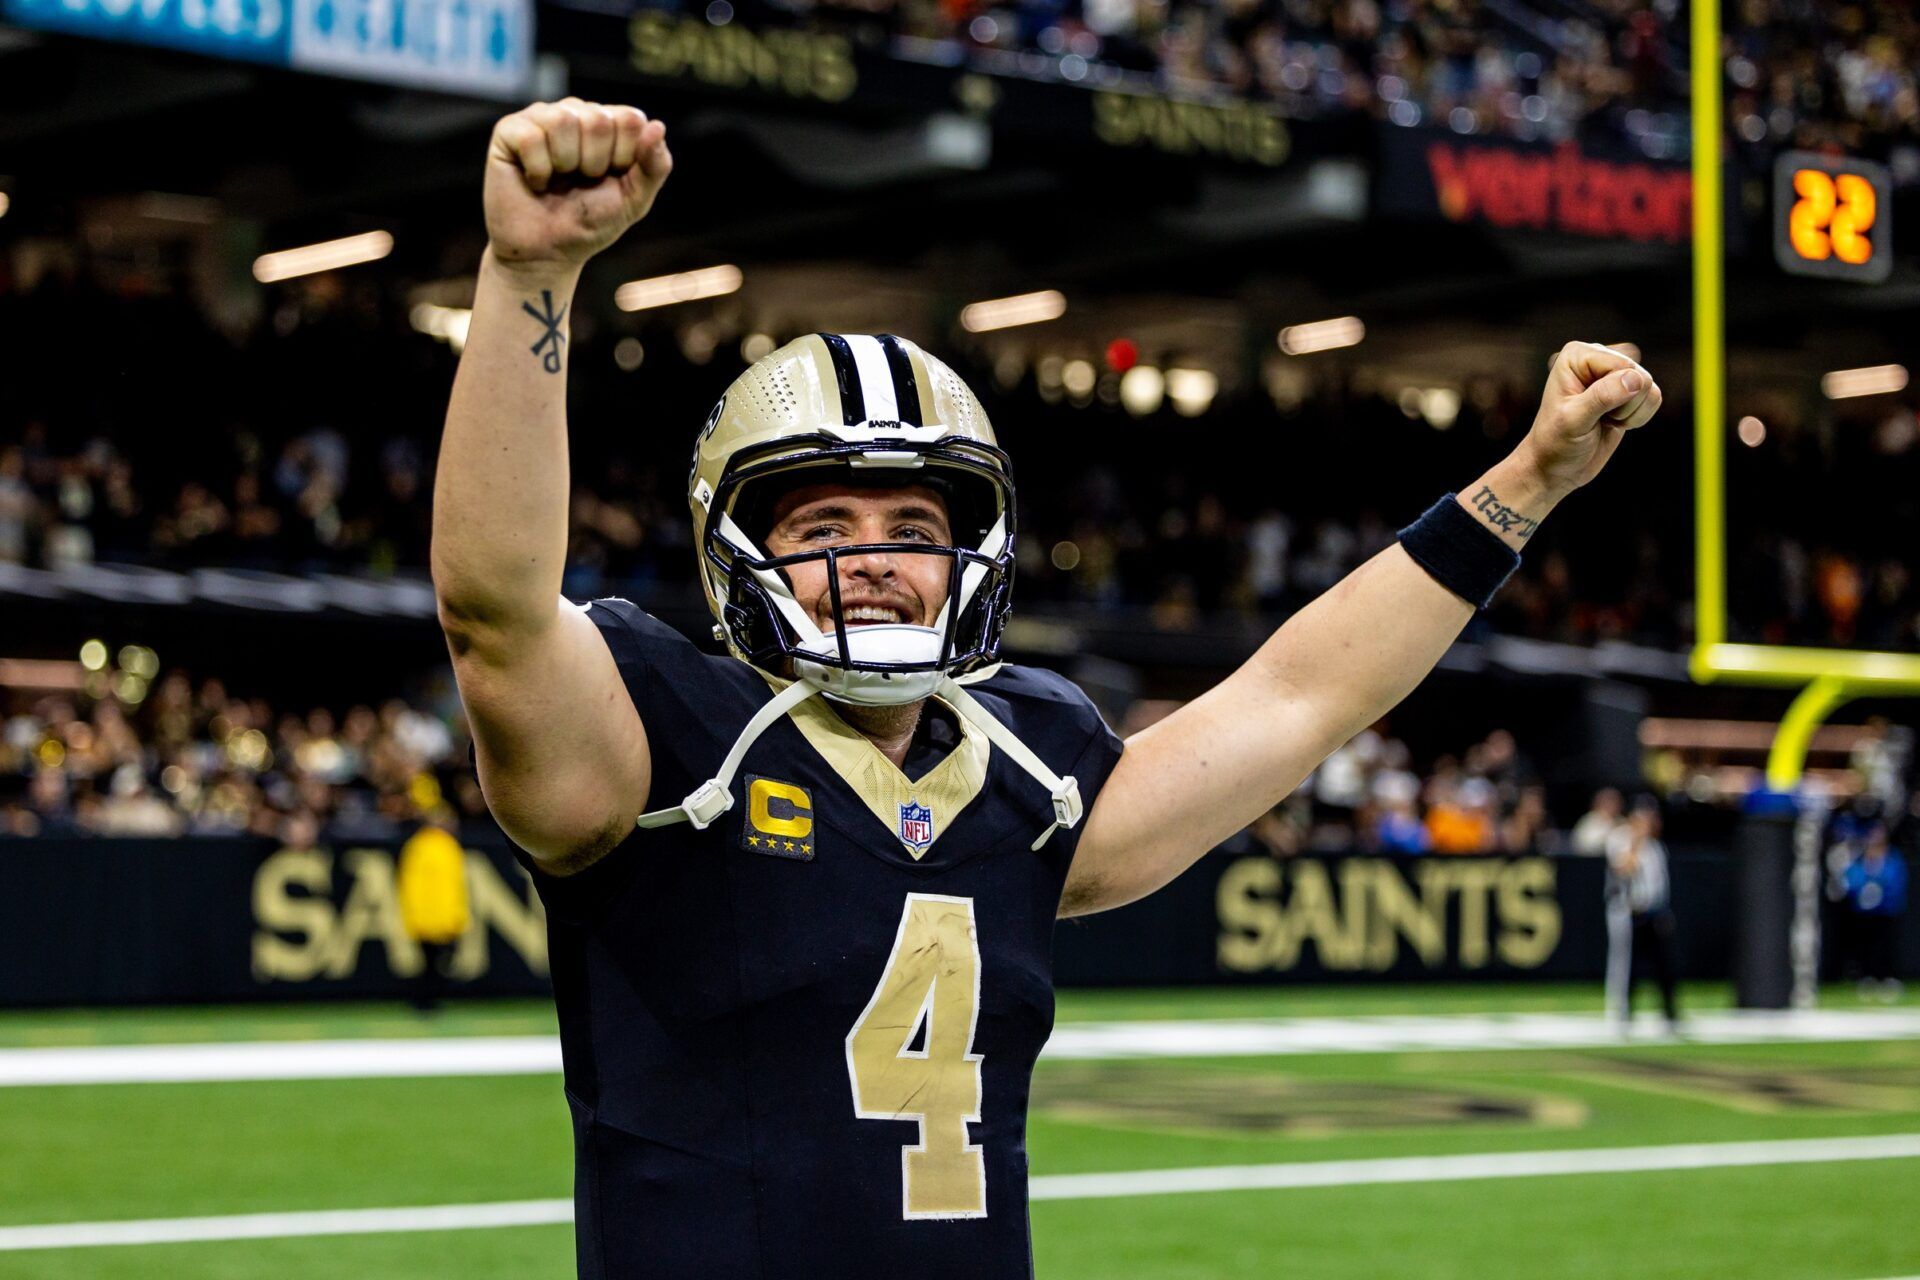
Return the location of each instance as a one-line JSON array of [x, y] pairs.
[[1501, 516], [552, 340]]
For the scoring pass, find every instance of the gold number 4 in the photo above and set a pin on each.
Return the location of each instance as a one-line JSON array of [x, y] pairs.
[[932, 981]]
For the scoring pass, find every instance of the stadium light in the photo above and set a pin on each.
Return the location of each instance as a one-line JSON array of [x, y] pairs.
[[1844, 384], [683, 286], [329, 255], [1322, 335], [1142, 388], [1191, 390], [1021, 308]]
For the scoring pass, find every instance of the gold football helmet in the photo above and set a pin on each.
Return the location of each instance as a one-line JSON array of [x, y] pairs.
[[866, 410], [863, 410]]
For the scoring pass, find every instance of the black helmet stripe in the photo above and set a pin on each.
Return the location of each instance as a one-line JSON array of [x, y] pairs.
[[853, 405], [906, 388]]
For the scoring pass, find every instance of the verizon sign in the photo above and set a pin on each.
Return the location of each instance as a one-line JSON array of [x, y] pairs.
[[1518, 187]]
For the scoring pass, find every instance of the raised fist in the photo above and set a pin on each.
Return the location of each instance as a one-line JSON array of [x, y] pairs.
[[565, 179], [1594, 396]]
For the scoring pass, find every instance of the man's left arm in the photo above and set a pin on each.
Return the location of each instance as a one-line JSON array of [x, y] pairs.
[[1188, 782]]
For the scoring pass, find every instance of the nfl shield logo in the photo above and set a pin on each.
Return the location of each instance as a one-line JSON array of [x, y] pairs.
[[916, 827]]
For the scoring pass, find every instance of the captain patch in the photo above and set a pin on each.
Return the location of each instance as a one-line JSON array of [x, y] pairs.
[[779, 819]]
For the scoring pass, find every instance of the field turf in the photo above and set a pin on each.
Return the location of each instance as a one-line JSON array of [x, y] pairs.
[[89, 1153]]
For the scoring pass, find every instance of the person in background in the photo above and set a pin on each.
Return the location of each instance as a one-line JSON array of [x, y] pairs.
[[1876, 889], [1396, 825], [433, 901], [1460, 818], [1590, 834], [1639, 914], [1528, 830]]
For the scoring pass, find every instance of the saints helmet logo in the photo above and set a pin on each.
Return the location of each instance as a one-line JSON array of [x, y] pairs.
[[713, 420]]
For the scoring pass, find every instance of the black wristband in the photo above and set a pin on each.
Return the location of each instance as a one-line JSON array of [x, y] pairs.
[[1463, 555]]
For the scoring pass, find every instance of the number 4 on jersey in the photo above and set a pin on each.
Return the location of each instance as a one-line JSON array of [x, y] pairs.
[[930, 992]]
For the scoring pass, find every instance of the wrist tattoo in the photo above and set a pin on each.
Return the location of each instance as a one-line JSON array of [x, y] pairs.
[[1501, 516], [551, 341]]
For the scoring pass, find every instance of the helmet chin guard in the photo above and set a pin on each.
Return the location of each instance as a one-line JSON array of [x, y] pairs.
[[878, 661]]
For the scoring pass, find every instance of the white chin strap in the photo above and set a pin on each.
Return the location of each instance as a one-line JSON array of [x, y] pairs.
[[715, 796]]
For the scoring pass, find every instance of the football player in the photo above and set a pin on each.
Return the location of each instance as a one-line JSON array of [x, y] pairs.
[[801, 896]]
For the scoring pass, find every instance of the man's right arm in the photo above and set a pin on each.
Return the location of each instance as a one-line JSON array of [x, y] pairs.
[[561, 751]]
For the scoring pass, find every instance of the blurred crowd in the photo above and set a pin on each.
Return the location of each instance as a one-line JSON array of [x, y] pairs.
[[1463, 64], [1799, 73], [193, 759], [195, 453], [1369, 796], [1818, 76], [1540, 71]]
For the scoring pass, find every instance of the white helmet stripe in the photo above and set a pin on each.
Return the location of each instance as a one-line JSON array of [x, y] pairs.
[[876, 377]]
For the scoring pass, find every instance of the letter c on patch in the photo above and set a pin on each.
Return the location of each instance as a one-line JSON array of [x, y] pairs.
[[796, 818]]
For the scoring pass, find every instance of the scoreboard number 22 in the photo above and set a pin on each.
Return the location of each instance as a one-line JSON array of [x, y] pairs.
[[1831, 217]]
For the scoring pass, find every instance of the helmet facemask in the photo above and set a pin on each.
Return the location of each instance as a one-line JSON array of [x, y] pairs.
[[872, 663]]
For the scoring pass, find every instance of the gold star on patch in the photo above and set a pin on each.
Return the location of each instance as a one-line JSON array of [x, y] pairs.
[[806, 848], [790, 846], [753, 842]]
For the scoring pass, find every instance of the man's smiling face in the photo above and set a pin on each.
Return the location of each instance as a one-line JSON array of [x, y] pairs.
[[887, 587]]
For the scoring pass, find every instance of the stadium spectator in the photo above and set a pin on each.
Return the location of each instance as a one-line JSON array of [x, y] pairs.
[[1460, 817], [1640, 921], [1591, 833], [1526, 829], [1875, 883], [1396, 826], [433, 901]]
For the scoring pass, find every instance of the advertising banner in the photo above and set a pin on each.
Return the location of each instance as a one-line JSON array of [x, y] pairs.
[[163, 921], [166, 921], [1516, 186], [1250, 917], [478, 47], [820, 68]]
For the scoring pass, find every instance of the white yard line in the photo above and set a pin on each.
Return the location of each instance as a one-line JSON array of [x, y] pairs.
[[1076, 1186], [1445, 1032], [1507, 1164], [281, 1060], [275, 1226], [1212, 1038]]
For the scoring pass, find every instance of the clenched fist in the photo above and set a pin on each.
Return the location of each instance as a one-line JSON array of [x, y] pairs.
[[566, 178], [1594, 396]]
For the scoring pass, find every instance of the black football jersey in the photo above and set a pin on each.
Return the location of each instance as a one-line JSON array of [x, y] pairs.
[[799, 1042]]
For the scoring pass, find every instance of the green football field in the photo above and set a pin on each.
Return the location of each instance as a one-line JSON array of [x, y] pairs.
[[91, 1153]]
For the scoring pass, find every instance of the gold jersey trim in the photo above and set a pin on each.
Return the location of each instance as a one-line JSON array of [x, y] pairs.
[[947, 789]]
